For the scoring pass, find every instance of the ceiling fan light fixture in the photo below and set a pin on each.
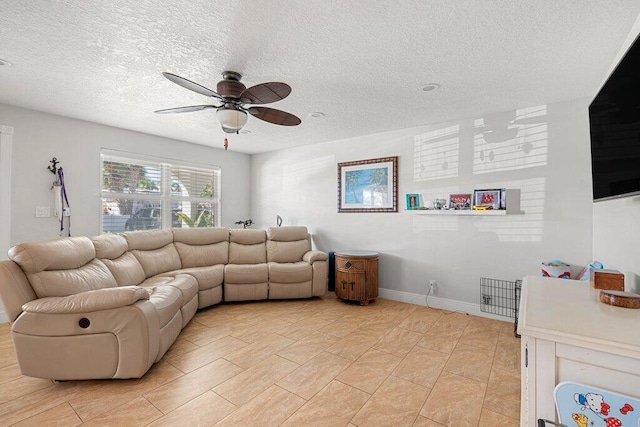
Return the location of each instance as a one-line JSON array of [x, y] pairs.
[[231, 119]]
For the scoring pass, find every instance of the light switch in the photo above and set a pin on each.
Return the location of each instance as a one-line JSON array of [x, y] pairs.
[[43, 212]]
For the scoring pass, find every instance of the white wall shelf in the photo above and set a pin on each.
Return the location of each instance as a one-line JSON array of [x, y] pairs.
[[513, 208]]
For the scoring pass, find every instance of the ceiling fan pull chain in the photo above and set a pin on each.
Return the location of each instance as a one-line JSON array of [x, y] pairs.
[[226, 143]]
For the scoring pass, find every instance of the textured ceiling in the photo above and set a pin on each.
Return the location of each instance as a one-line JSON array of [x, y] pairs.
[[360, 62]]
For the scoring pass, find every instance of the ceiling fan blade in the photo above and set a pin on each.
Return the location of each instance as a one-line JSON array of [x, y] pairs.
[[277, 117], [266, 93], [185, 109], [188, 84]]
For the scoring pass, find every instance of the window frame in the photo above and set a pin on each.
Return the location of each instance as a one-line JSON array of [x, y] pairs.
[[165, 196]]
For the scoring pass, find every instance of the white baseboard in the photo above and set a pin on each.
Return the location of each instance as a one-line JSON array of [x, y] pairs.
[[437, 302], [3, 317]]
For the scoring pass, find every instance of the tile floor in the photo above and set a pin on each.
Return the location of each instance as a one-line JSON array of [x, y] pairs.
[[296, 363]]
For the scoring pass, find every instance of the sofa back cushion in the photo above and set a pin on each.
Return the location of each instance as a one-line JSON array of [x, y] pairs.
[[158, 261], [287, 244], [111, 249], [247, 246], [200, 247], [148, 239], [126, 269], [154, 250], [62, 267], [109, 246]]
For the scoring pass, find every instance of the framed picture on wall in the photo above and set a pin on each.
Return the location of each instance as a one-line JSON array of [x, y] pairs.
[[413, 201], [460, 201], [368, 185], [488, 199]]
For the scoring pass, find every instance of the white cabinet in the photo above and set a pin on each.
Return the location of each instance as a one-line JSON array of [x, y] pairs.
[[569, 335]]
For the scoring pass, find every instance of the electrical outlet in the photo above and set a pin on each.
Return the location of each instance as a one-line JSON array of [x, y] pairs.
[[432, 287]]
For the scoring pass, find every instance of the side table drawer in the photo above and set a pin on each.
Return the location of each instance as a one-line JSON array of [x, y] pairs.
[[350, 265]]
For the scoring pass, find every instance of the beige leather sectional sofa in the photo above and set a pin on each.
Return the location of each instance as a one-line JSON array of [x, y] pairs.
[[112, 305]]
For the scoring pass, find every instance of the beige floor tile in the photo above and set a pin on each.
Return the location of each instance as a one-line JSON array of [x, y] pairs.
[[254, 380], [304, 327], [507, 355], [503, 393], [480, 337], [335, 405], [378, 327], [189, 386], [421, 320], [396, 403], [108, 394], [40, 401], [307, 348], [62, 415], [421, 366], [353, 345], [294, 336], [180, 346], [9, 373], [253, 333], [368, 372], [341, 328], [205, 410], [399, 341], [443, 341], [314, 375], [138, 412], [452, 322], [455, 401], [21, 386], [270, 408], [426, 422], [258, 350], [7, 355], [470, 362], [492, 419], [191, 360]]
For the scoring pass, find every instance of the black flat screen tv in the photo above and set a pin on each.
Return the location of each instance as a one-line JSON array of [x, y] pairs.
[[614, 117]]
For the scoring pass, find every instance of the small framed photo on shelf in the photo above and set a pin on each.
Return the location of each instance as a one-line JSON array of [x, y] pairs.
[[460, 201], [413, 201], [488, 199]]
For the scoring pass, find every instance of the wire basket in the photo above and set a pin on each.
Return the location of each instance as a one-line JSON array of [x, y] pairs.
[[498, 297], [501, 297]]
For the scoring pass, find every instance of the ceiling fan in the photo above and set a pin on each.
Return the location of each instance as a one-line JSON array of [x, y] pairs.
[[232, 96]]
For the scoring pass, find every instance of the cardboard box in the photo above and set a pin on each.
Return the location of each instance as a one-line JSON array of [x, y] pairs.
[[607, 279]]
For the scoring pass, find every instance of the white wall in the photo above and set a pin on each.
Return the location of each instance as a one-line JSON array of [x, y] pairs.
[[38, 137], [6, 145], [548, 160], [616, 224]]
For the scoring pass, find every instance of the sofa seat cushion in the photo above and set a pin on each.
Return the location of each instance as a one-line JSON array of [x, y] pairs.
[[246, 273], [167, 300], [294, 272], [185, 283], [207, 277]]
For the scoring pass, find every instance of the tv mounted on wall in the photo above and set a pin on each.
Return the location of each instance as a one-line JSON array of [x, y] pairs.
[[614, 116]]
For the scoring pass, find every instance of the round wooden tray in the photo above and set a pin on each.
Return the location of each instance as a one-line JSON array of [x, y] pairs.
[[620, 299]]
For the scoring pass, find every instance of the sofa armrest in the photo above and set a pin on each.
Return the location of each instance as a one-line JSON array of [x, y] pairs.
[[313, 256], [87, 302]]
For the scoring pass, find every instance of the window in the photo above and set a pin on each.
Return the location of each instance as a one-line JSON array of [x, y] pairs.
[[144, 193]]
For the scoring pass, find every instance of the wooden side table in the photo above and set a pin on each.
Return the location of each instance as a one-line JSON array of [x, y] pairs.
[[357, 276]]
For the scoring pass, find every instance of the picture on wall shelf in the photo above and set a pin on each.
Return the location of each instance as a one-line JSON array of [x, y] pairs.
[[460, 201], [488, 199], [413, 201], [368, 185]]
